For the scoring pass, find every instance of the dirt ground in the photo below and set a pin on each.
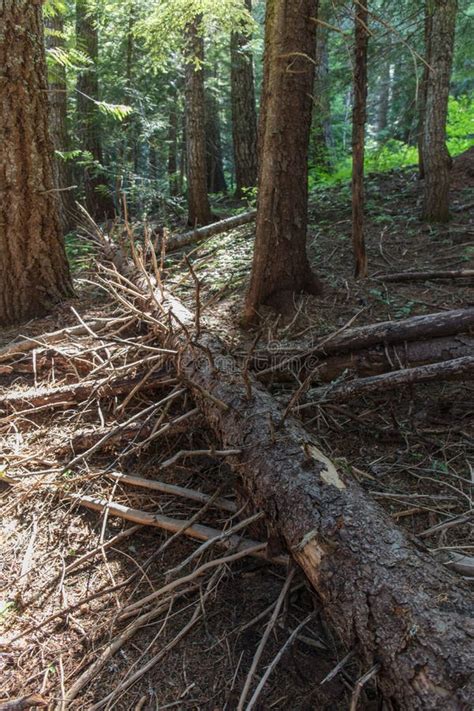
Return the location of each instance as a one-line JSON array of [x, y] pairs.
[[412, 449]]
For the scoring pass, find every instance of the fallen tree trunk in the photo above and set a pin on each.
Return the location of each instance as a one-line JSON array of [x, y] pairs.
[[64, 395], [433, 275], [456, 369], [382, 359], [383, 593], [385, 333], [201, 233], [380, 591]]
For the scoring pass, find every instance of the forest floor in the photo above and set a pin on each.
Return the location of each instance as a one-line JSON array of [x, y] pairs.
[[412, 449]]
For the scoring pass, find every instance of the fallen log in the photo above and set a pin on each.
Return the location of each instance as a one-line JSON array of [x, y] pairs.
[[380, 359], [201, 233], [382, 592], [428, 276], [384, 333], [78, 392], [456, 369]]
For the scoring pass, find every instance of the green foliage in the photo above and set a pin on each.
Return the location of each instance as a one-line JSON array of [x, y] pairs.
[[117, 111], [72, 58], [460, 127], [164, 29]]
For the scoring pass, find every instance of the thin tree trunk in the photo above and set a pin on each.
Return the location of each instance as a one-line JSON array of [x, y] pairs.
[[322, 139], [34, 273], [436, 158], [199, 211], [58, 125], [385, 91], [359, 118], [280, 265], [173, 124], [244, 113], [215, 168], [98, 202], [424, 87]]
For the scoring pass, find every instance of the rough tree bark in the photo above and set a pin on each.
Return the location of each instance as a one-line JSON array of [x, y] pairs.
[[280, 264], [244, 113], [455, 369], [34, 273], [436, 159], [215, 168], [321, 130], [199, 211], [359, 118], [382, 592], [98, 202], [58, 124], [424, 87]]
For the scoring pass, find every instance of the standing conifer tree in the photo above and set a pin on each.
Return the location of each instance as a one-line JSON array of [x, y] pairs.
[[199, 211], [34, 273], [244, 112], [280, 265], [359, 118], [436, 159]]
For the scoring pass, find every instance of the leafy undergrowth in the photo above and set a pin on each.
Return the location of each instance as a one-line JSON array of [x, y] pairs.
[[412, 449]]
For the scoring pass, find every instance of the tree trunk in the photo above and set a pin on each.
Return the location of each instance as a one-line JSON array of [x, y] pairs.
[[58, 125], [244, 113], [34, 273], [322, 139], [98, 202], [385, 91], [359, 118], [199, 211], [377, 335], [173, 145], [382, 593], [424, 87], [280, 264], [215, 167], [455, 369], [436, 158]]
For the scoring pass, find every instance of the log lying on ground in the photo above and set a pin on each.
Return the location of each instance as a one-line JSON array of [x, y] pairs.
[[456, 369], [378, 335], [201, 233], [428, 276], [382, 592], [382, 359], [64, 395]]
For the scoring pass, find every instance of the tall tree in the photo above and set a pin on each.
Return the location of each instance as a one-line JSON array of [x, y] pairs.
[[98, 202], [384, 93], [199, 211], [215, 167], [34, 273], [58, 121], [280, 264], [244, 112], [436, 159], [424, 87], [321, 133], [359, 118]]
